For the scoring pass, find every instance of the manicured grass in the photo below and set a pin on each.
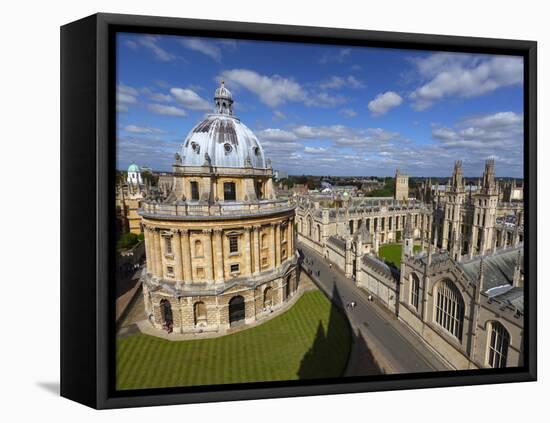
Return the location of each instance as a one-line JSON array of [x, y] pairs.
[[392, 253], [310, 340]]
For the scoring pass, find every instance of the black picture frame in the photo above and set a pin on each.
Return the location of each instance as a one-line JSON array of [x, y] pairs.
[[87, 175]]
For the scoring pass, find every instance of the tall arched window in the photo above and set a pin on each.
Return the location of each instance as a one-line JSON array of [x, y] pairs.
[[199, 250], [309, 226], [415, 290], [318, 233], [449, 308], [199, 310], [499, 340]]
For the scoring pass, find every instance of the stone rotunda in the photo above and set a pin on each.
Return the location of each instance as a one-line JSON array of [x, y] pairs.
[[220, 246]]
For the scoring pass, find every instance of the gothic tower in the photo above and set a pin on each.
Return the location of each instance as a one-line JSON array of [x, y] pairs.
[[455, 196], [485, 203]]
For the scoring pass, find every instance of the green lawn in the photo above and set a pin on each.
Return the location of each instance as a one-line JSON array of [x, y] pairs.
[[392, 253], [311, 340]]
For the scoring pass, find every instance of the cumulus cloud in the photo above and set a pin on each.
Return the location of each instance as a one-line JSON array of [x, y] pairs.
[[384, 102], [333, 55], [463, 76], [162, 109], [190, 99], [315, 150], [277, 135], [348, 112], [205, 47], [125, 96], [152, 44], [134, 129], [484, 135], [336, 82], [276, 90], [271, 90]]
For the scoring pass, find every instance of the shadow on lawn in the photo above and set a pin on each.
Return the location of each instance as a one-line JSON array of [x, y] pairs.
[[319, 360]]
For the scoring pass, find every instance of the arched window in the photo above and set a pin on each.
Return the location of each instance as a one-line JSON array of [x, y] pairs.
[[199, 250], [199, 311], [309, 226], [415, 290], [449, 308], [498, 342], [268, 298], [318, 233]]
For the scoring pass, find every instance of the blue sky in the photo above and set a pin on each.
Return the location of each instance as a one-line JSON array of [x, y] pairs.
[[321, 109]]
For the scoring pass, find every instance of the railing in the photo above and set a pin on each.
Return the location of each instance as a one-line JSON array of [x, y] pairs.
[[217, 209]]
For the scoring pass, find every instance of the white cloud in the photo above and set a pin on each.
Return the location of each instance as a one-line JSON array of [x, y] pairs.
[[165, 98], [150, 42], [315, 150], [277, 135], [134, 129], [272, 91], [166, 110], [384, 102], [337, 56], [202, 46], [336, 82], [276, 90], [125, 96], [484, 135], [348, 112], [190, 99], [278, 115], [463, 76]]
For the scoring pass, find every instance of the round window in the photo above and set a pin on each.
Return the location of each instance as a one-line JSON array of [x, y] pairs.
[[257, 151], [196, 148], [227, 147]]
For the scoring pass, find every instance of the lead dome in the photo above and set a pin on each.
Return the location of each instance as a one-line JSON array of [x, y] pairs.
[[222, 139]]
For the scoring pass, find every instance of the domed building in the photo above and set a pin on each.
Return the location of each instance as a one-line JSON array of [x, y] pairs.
[[134, 175], [220, 246]]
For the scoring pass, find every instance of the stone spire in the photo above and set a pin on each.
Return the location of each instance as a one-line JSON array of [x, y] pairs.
[[457, 180], [488, 184]]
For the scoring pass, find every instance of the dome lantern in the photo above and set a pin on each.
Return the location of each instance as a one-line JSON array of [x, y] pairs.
[[223, 100]]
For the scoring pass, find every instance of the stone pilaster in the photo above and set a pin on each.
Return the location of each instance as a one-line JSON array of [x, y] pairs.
[[218, 256], [247, 252], [186, 255], [256, 248], [157, 253], [208, 252], [176, 238], [277, 244]]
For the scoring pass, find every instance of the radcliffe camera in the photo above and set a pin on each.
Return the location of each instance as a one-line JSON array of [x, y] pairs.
[[291, 212]]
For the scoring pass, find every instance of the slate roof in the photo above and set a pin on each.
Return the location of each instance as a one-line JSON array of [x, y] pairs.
[[498, 268]]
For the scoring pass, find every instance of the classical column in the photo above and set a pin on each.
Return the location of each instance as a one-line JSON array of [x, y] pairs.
[[272, 253], [209, 255], [278, 244], [256, 249], [246, 252], [176, 238], [218, 255], [148, 249], [186, 255], [157, 253]]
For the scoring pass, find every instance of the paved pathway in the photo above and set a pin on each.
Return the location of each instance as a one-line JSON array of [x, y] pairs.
[[394, 347]]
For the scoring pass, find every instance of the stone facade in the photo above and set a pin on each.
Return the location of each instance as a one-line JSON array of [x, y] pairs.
[[462, 293], [219, 244]]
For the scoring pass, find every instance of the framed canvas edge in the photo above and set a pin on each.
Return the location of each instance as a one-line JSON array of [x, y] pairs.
[[105, 22]]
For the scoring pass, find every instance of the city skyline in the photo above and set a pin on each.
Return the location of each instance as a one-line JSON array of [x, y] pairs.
[[321, 109]]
